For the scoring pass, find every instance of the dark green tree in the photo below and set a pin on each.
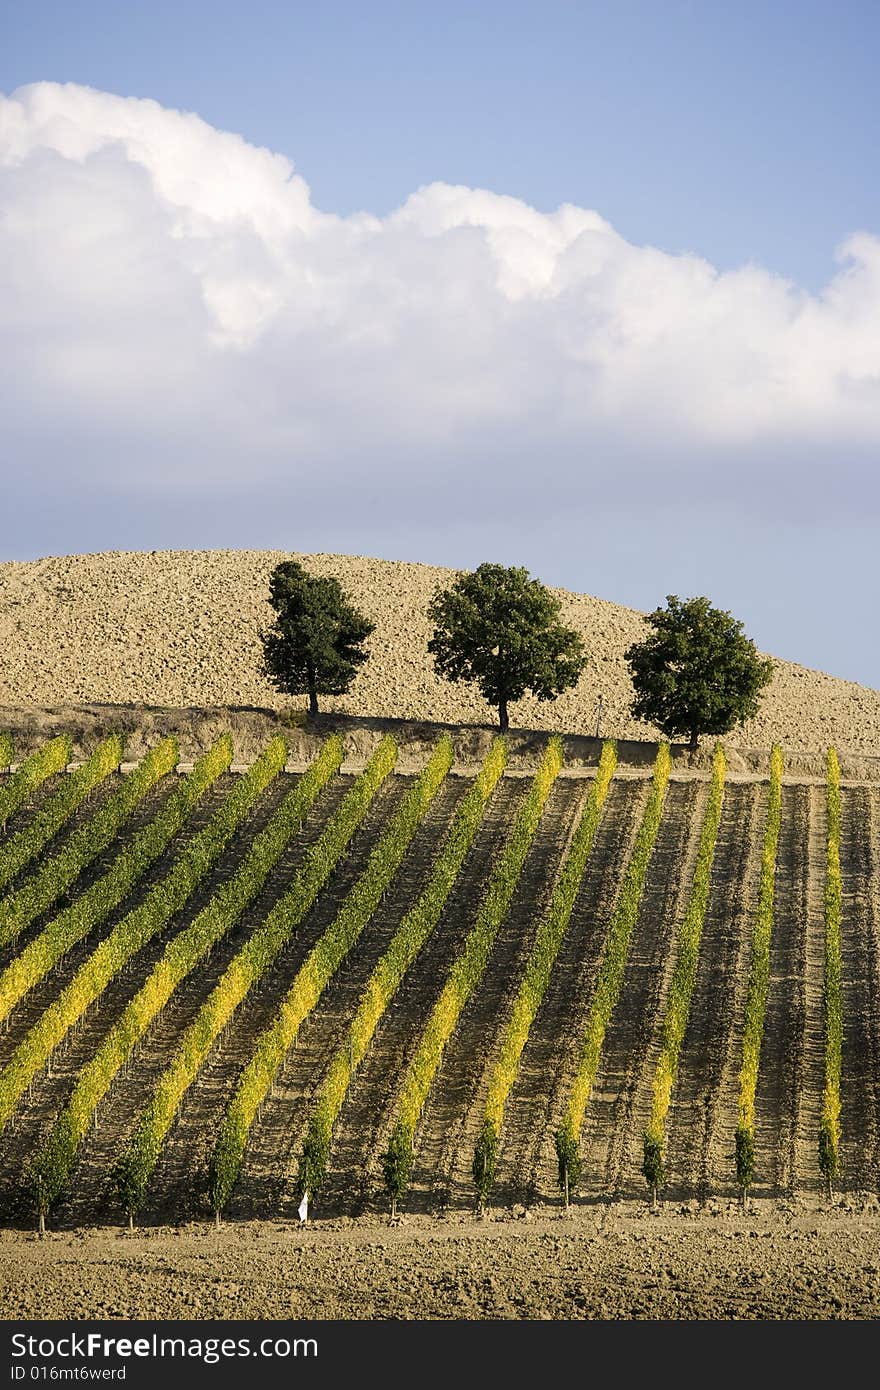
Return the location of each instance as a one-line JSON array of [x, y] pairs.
[[697, 673], [397, 1166], [653, 1166], [314, 646], [500, 629], [568, 1158]]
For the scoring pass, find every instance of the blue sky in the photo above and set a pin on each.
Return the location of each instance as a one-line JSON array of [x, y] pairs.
[[723, 136], [743, 132]]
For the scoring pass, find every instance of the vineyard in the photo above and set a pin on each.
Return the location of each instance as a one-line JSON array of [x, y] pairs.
[[443, 988]]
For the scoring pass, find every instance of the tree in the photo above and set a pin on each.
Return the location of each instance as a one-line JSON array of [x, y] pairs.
[[500, 629], [697, 673], [314, 645]]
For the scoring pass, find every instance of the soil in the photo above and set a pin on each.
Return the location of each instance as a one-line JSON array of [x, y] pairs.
[[181, 629], [779, 1260]]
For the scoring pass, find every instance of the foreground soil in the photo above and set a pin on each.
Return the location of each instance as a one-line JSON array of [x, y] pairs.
[[793, 1259]]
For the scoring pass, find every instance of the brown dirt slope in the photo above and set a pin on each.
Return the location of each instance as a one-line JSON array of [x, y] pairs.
[[180, 628]]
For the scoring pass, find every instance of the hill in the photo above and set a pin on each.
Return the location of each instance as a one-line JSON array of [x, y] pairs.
[[180, 628]]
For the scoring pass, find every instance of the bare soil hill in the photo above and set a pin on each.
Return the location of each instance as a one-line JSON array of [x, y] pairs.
[[180, 628]]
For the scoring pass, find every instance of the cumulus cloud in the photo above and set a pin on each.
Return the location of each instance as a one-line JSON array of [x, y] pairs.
[[175, 312]]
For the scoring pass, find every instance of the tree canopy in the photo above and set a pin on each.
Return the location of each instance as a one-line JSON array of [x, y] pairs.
[[314, 646], [500, 629], [697, 672]]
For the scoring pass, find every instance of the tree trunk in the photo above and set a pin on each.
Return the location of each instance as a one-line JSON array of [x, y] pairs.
[[313, 698], [503, 721], [695, 739]]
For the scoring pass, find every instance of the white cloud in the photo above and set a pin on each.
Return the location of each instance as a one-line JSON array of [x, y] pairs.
[[171, 302]]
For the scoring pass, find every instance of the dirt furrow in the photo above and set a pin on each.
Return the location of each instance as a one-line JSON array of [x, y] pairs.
[[779, 1074], [132, 1088], [613, 1124], [31, 1007], [718, 1173], [806, 1173], [551, 1054], [146, 809], [51, 1086], [31, 806], [700, 1143], [628, 1178], [364, 1122], [84, 811], [860, 1072], [274, 1150], [106, 1010], [445, 1140]]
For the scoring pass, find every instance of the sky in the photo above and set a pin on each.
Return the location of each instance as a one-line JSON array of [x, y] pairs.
[[589, 288]]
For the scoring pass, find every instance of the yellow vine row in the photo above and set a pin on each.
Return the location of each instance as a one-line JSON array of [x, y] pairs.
[[759, 978], [684, 974], [466, 972], [548, 942], [99, 900], [53, 757], [610, 978], [315, 973], [27, 843], [412, 934], [132, 1172], [50, 1169], [36, 894], [829, 1132], [135, 929]]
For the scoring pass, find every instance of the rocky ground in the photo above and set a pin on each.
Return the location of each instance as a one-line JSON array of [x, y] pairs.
[[781, 1260], [181, 628]]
